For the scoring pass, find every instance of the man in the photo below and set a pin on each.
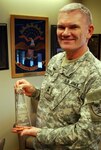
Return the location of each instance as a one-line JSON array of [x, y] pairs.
[[67, 117]]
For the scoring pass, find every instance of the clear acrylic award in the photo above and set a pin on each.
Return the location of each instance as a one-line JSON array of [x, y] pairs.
[[22, 117]]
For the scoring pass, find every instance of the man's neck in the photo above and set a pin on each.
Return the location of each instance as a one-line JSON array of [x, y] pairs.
[[75, 54]]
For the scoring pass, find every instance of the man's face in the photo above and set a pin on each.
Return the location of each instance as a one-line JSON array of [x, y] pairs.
[[73, 30]]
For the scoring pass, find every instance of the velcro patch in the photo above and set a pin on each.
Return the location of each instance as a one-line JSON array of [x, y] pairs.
[[95, 110]]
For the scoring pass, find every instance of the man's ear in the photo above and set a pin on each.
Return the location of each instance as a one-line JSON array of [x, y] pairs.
[[90, 31]]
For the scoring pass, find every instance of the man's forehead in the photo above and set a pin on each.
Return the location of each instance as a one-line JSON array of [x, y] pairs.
[[71, 16], [74, 12]]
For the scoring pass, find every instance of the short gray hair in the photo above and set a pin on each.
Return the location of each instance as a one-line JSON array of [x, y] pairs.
[[78, 6]]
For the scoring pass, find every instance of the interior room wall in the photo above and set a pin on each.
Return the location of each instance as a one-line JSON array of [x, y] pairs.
[[48, 8], [43, 8], [95, 7]]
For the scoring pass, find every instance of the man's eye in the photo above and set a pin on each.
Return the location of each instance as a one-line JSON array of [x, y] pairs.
[[60, 27], [74, 27]]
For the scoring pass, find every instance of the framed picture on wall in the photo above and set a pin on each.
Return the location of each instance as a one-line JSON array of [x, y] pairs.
[[29, 45], [3, 47], [55, 47], [94, 43]]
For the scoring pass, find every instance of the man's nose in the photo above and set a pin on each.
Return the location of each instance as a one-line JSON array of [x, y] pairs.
[[66, 31]]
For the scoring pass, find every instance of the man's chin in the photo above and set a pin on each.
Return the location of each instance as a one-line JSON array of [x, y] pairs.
[[66, 46]]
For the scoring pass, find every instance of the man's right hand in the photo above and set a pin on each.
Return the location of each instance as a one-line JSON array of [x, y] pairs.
[[26, 87]]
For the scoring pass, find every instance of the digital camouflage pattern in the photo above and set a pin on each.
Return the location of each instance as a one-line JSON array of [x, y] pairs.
[[69, 119]]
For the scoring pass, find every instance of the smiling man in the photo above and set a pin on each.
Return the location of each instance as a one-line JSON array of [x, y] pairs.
[[67, 117]]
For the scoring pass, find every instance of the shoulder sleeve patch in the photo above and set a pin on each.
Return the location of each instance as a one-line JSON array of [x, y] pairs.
[[95, 110]]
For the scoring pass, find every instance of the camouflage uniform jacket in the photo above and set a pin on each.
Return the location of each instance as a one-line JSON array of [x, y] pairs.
[[69, 121]]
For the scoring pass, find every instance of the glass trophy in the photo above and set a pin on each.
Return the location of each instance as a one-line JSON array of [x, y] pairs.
[[22, 117]]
